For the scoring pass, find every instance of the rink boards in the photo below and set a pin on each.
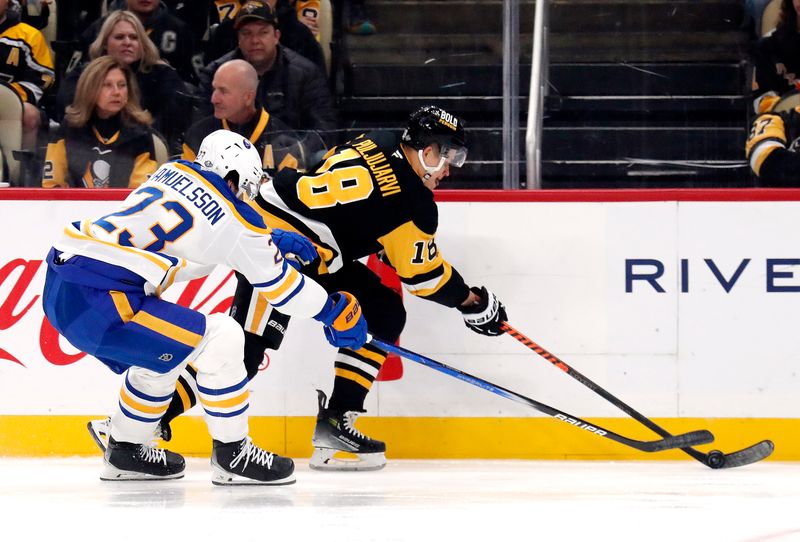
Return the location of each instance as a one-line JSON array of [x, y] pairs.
[[684, 304]]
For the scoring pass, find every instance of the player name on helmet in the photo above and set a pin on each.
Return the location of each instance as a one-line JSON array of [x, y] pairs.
[[579, 424], [379, 166]]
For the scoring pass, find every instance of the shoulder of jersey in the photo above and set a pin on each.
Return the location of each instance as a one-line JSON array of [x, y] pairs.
[[246, 212]]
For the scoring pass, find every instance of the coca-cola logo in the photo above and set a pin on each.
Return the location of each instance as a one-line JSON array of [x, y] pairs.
[[17, 277]]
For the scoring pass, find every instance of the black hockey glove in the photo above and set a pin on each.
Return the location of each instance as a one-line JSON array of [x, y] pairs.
[[485, 316]]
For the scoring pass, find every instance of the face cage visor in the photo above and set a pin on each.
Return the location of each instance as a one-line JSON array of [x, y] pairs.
[[454, 156], [250, 190]]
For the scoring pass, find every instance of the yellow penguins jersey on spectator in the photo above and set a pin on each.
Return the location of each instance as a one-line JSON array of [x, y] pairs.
[[364, 198], [25, 60], [227, 9], [84, 158]]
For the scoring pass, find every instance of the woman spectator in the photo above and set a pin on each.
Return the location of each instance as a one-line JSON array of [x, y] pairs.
[[776, 59], [105, 140], [163, 92]]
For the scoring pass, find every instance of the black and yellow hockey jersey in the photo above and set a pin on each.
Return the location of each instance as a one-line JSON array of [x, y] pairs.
[[25, 60], [105, 154], [364, 198], [279, 146]]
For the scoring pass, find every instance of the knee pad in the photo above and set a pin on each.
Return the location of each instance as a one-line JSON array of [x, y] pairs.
[[222, 344]]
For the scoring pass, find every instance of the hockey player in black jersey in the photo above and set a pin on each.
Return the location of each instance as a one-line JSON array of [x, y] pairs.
[[386, 182]]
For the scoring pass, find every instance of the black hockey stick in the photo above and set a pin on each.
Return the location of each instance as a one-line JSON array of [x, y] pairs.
[[714, 459], [692, 438]]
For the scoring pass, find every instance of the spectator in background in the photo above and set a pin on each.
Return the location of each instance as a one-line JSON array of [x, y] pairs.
[[123, 37], [105, 141], [358, 21], [776, 60], [235, 108], [171, 36], [38, 21], [293, 33], [290, 86], [27, 65]]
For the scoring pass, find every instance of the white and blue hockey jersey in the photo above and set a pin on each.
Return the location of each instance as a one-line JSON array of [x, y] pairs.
[[180, 224]]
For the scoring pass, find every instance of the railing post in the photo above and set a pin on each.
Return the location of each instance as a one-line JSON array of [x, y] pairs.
[[511, 147], [538, 90]]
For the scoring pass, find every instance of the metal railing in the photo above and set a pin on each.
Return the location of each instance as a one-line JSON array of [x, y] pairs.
[[537, 93]]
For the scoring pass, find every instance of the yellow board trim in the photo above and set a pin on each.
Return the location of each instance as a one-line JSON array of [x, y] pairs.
[[422, 438]]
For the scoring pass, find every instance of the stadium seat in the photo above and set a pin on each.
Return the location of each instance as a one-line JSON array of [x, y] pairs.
[[10, 130], [770, 16], [160, 146]]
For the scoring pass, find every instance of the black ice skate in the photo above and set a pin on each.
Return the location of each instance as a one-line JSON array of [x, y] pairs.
[[101, 429], [335, 432], [244, 463], [129, 461]]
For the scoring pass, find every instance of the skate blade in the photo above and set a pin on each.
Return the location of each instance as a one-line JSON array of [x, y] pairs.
[[221, 477], [100, 437], [112, 474], [328, 459]]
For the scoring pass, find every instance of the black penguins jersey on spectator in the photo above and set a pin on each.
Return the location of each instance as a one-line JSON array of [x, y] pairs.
[[279, 146], [25, 60], [84, 158], [364, 198]]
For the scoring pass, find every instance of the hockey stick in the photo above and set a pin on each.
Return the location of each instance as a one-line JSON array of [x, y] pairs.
[[714, 459], [692, 438]]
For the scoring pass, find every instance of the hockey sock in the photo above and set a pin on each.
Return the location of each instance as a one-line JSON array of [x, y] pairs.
[[355, 370]]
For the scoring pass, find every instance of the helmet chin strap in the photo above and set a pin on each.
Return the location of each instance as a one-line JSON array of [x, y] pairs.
[[430, 170]]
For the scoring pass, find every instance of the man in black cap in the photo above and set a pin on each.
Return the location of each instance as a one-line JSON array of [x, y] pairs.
[[294, 34], [290, 86]]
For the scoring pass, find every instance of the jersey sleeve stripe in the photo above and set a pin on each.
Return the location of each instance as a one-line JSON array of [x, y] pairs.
[[429, 287], [292, 294]]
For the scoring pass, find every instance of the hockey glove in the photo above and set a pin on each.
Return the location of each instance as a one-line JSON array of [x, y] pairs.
[[486, 315], [768, 133], [345, 325], [296, 248]]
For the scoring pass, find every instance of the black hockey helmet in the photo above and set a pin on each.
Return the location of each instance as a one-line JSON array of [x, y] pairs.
[[432, 124]]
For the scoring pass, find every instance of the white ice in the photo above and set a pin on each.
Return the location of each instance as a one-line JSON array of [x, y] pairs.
[[63, 499]]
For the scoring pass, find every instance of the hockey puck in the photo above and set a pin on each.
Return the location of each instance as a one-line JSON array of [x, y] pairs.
[[715, 459]]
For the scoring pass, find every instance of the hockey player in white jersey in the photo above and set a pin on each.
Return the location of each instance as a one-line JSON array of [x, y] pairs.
[[104, 279]]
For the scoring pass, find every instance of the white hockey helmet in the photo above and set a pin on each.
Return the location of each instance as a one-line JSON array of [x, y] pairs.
[[234, 158]]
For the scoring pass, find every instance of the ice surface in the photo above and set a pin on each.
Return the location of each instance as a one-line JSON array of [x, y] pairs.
[[410, 501]]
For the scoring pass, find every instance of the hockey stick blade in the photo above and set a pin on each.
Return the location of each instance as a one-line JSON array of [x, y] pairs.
[[752, 454], [692, 438], [715, 459]]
